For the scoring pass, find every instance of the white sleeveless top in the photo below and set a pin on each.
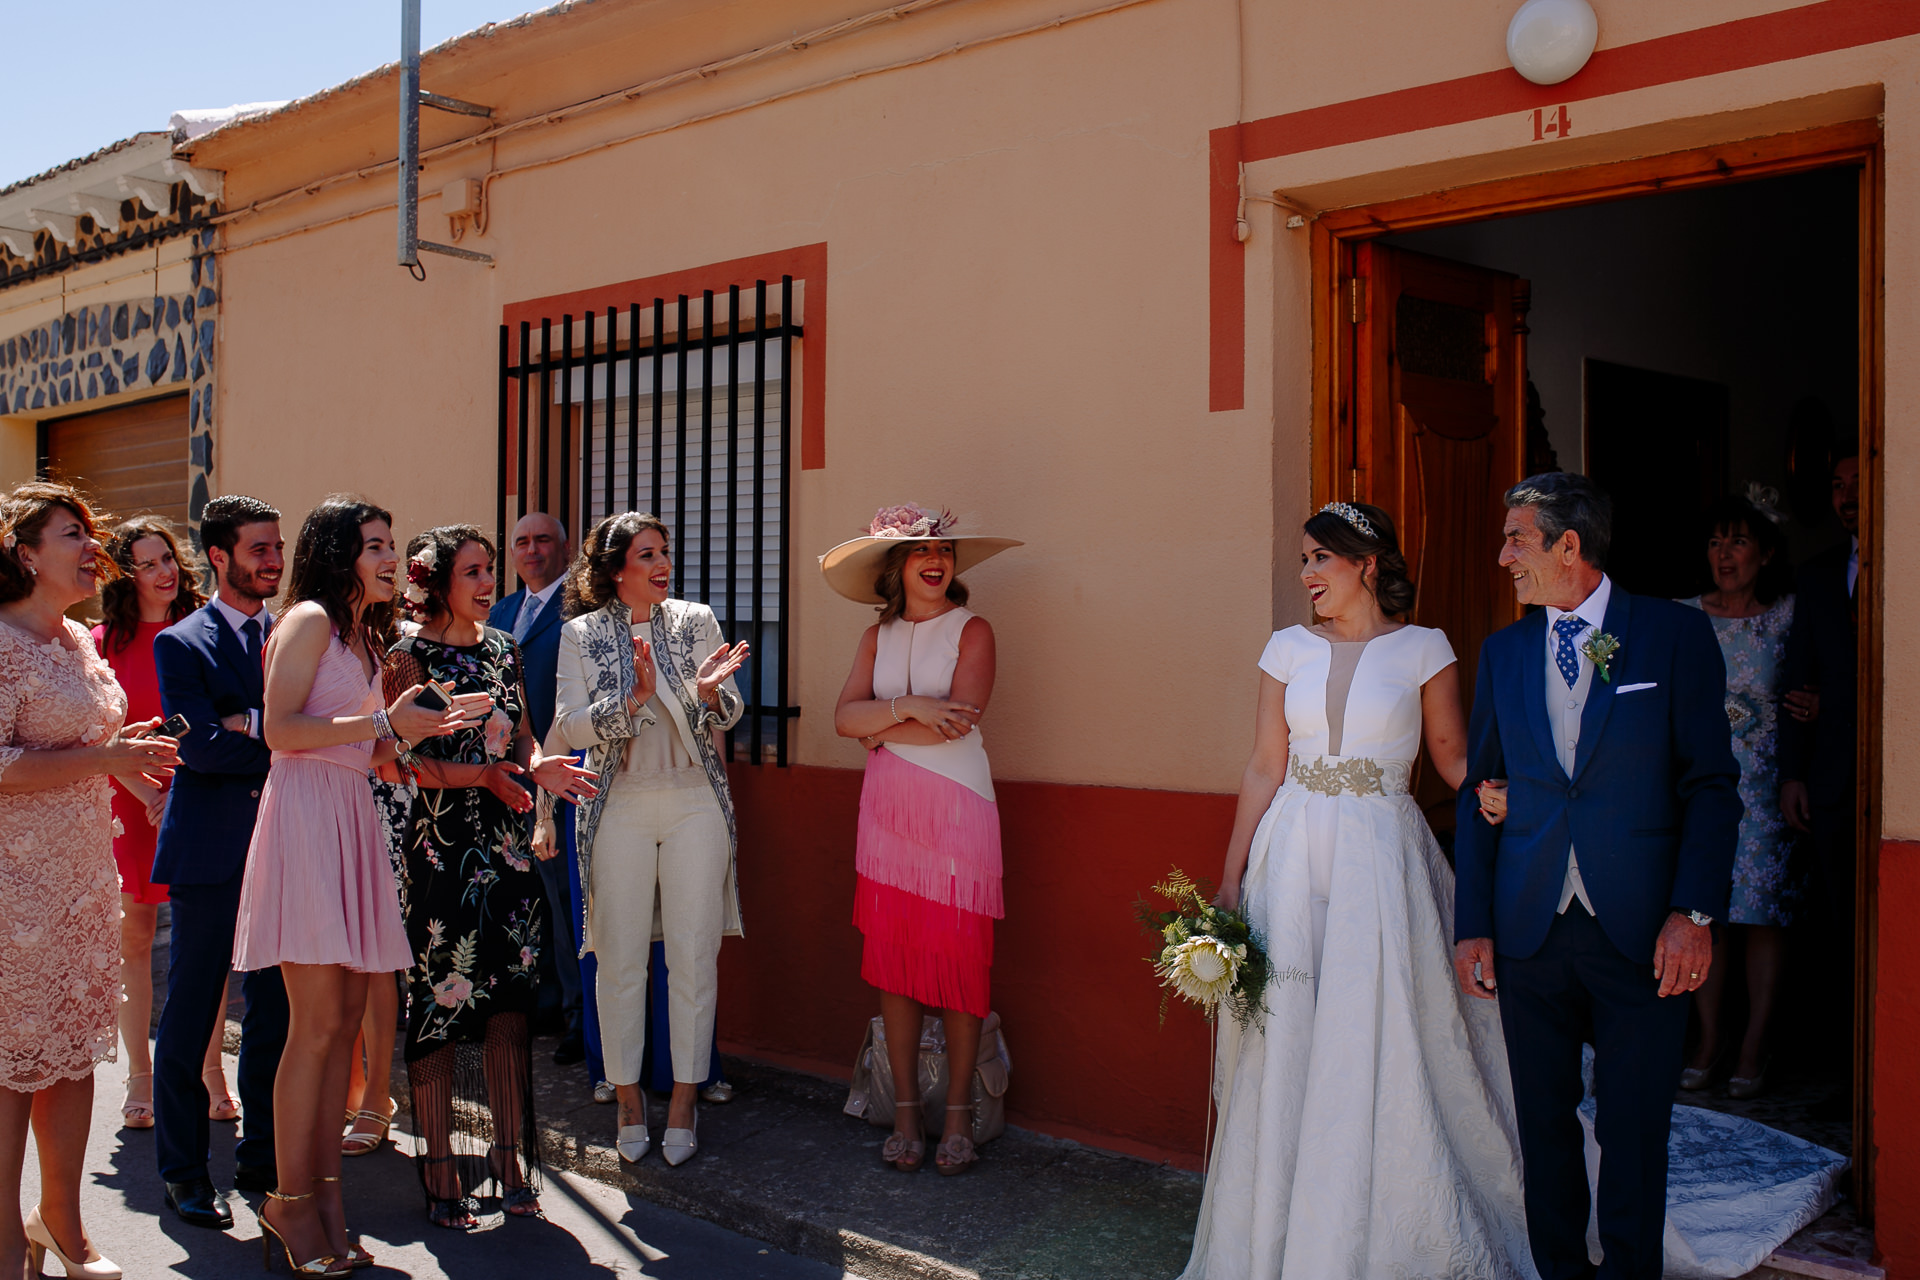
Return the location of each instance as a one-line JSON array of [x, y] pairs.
[[918, 658]]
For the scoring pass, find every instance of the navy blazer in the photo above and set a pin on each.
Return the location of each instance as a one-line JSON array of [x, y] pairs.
[[204, 675], [1823, 649], [1653, 806], [539, 654]]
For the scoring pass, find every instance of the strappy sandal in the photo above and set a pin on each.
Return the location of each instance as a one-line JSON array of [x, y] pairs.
[[357, 1257], [137, 1115], [521, 1201], [325, 1267], [456, 1214], [904, 1153], [223, 1106], [363, 1142], [955, 1155]]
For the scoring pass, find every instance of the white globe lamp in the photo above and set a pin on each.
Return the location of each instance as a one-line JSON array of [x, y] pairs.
[[1550, 40]]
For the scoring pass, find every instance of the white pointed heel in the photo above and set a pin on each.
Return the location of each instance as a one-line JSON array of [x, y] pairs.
[[632, 1142], [679, 1145], [40, 1243]]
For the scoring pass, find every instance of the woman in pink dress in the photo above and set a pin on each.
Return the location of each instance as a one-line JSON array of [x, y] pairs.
[[60, 740], [319, 898], [152, 593], [928, 852]]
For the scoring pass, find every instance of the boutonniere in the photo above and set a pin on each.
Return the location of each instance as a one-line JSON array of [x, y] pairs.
[[1599, 648]]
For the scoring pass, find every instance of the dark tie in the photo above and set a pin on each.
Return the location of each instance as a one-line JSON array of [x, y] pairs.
[[250, 638], [1565, 656]]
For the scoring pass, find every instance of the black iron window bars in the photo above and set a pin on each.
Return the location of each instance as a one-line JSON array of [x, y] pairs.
[[687, 417]]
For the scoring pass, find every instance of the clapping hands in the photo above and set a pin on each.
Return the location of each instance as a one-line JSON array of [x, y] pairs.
[[720, 664]]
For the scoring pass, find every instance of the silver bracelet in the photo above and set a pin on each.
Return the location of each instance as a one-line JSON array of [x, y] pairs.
[[382, 727], [893, 710]]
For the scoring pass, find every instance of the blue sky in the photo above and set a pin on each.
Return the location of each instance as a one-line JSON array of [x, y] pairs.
[[113, 68]]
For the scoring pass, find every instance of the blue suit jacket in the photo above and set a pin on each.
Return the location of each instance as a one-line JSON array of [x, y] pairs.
[[205, 674], [1823, 650], [539, 654], [1653, 806]]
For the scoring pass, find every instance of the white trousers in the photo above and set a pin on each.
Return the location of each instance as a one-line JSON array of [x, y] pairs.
[[673, 843]]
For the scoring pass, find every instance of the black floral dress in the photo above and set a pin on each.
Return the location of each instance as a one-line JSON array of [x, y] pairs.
[[476, 917], [476, 911]]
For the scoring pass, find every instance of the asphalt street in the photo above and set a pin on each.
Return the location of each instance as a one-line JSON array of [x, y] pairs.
[[590, 1230]]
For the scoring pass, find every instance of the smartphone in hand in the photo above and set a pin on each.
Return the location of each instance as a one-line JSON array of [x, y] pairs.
[[435, 697]]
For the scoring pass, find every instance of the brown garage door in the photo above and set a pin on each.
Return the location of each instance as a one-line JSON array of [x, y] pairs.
[[127, 460]]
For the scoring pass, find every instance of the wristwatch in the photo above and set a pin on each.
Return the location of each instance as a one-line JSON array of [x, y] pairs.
[[1700, 918]]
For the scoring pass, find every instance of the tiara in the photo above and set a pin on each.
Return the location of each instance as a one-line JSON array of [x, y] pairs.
[[1351, 514]]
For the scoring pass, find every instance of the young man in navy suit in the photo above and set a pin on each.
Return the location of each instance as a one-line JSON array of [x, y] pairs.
[[210, 672], [532, 615], [1589, 911]]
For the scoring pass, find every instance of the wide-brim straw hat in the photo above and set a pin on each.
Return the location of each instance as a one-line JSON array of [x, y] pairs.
[[853, 567]]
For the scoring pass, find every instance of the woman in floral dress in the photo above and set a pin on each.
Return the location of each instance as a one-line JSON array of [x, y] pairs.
[[475, 912], [1751, 614]]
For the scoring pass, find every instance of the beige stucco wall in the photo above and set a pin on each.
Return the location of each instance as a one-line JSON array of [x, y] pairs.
[[1019, 294]]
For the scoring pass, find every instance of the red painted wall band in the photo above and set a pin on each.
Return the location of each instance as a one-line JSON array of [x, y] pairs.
[[1685, 55], [806, 263], [1227, 276], [1896, 1065]]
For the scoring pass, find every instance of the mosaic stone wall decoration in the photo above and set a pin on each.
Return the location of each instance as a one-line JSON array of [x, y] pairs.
[[98, 351], [139, 227]]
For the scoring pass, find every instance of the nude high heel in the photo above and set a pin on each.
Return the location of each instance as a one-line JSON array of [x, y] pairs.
[[40, 1243]]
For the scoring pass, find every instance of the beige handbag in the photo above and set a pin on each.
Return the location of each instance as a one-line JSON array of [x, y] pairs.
[[873, 1093]]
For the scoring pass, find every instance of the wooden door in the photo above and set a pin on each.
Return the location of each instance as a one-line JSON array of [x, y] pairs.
[[127, 461], [1432, 430]]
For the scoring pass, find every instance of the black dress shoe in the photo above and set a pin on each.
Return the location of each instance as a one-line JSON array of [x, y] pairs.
[[198, 1204], [572, 1049], [255, 1177]]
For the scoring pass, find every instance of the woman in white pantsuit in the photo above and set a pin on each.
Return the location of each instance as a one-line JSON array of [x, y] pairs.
[[645, 683]]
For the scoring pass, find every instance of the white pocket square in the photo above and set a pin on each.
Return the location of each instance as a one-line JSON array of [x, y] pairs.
[[1634, 688]]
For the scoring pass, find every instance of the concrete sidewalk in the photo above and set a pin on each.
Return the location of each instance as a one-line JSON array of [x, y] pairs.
[[781, 1163]]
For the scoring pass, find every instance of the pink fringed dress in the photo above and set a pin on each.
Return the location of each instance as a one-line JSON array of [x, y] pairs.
[[928, 854], [319, 887]]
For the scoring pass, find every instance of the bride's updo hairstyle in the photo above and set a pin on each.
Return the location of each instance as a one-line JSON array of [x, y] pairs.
[[1356, 530]]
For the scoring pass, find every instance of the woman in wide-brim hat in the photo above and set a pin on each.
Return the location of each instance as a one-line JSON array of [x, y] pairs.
[[928, 852]]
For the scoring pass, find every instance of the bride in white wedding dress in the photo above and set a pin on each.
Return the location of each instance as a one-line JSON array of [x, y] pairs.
[[1366, 1129]]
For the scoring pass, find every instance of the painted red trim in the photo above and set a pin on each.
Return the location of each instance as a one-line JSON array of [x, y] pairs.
[[806, 262], [1227, 276], [1781, 36], [1896, 1062]]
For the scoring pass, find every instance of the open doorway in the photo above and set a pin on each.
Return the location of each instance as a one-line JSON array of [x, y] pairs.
[[1680, 346]]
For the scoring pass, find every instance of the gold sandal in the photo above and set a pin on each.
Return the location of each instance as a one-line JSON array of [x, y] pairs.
[[356, 1256], [362, 1142], [325, 1267], [904, 1153]]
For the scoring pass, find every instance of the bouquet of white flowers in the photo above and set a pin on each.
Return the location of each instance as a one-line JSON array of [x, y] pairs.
[[1209, 955]]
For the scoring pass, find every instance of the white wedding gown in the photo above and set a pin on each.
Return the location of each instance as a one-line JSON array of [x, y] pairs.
[[1366, 1129]]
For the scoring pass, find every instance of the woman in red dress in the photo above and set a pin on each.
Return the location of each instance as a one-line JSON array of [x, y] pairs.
[[155, 590]]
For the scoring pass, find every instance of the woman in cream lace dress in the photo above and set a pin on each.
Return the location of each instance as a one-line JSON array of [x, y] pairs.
[[60, 739]]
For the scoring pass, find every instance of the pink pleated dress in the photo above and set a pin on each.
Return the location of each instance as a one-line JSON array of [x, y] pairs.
[[928, 851], [319, 887]]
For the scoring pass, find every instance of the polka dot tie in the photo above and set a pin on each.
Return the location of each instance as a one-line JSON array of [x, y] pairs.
[[1564, 654]]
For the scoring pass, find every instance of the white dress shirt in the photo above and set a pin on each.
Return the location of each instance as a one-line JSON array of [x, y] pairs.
[[1566, 706], [238, 621], [530, 606]]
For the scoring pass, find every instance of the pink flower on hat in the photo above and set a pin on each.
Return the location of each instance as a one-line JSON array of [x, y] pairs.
[[910, 520]]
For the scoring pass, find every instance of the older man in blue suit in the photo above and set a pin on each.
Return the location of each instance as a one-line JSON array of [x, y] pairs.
[[532, 616], [1589, 911], [210, 672]]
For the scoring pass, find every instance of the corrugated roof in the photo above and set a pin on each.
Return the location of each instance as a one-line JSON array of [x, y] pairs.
[[80, 163]]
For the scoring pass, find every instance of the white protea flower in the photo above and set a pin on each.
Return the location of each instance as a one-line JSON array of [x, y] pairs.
[[1202, 970]]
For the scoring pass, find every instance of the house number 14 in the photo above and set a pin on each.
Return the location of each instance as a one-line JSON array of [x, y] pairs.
[[1551, 124]]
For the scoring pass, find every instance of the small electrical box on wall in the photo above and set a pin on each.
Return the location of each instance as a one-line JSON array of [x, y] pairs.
[[461, 198]]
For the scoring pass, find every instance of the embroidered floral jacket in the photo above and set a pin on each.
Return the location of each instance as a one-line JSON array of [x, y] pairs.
[[595, 679]]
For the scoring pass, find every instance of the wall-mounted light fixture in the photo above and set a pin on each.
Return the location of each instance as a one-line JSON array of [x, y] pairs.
[[1550, 40]]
